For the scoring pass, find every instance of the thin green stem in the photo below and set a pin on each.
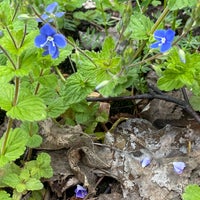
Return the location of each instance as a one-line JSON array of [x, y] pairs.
[[12, 38], [6, 134], [24, 35], [16, 10], [17, 84], [159, 20], [60, 74], [8, 56]]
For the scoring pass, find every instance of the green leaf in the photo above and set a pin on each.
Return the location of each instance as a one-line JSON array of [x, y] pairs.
[[12, 180], [194, 101], [179, 4], [108, 65], [15, 146], [49, 80], [4, 195], [6, 73], [6, 96], [192, 192], [33, 184], [177, 73], [56, 107], [34, 141], [139, 27], [77, 88], [40, 167], [31, 108]]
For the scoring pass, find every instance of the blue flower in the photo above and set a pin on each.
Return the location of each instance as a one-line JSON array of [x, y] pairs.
[[179, 167], [51, 13], [165, 39], [81, 192], [145, 162], [50, 41]]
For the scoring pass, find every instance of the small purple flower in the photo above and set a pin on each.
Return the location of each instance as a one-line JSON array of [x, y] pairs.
[[51, 13], [145, 162], [50, 41], [179, 167], [81, 192], [165, 39]]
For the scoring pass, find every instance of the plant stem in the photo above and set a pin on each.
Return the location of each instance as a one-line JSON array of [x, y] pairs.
[[24, 35], [60, 74], [159, 20], [12, 38], [6, 134], [8, 56]]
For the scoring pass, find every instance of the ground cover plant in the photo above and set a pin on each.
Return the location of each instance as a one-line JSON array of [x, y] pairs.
[[55, 56]]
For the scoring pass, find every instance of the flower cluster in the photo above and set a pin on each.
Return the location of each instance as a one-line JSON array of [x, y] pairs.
[[50, 41], [51, 13], [164, 39]]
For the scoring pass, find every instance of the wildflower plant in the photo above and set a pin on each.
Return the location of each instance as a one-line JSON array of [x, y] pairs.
[[34, 89]]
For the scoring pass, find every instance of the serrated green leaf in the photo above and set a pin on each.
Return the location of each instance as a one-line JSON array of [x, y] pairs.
[[34, 141], [77, 88], [40, 167], [6, 73], [178, 74], [15, 146], [33, 184], [6, 96], [31, 108], [139, 27], [192, 192], [56, 107], [49, 80], [4, 195], [6, 12], [12, 180], [179, 4]]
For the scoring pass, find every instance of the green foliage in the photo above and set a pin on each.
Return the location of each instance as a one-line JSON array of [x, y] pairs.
[[139, 27], [4, 195], [30, 108], [33, 87], [192, 192], [28, 177], [177, 73], [15, 146], [179, 4]]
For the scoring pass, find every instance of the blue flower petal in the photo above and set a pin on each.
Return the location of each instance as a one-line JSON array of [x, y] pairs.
[[40, 40], [47, 30], [46, 51], [170, 35], [179, 167], [59, 40], [159, 34], [44, 17], [165, 47], [52, 48], [145, 162], [51, 7], [80, 191], [59, 14], [155, 45]]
